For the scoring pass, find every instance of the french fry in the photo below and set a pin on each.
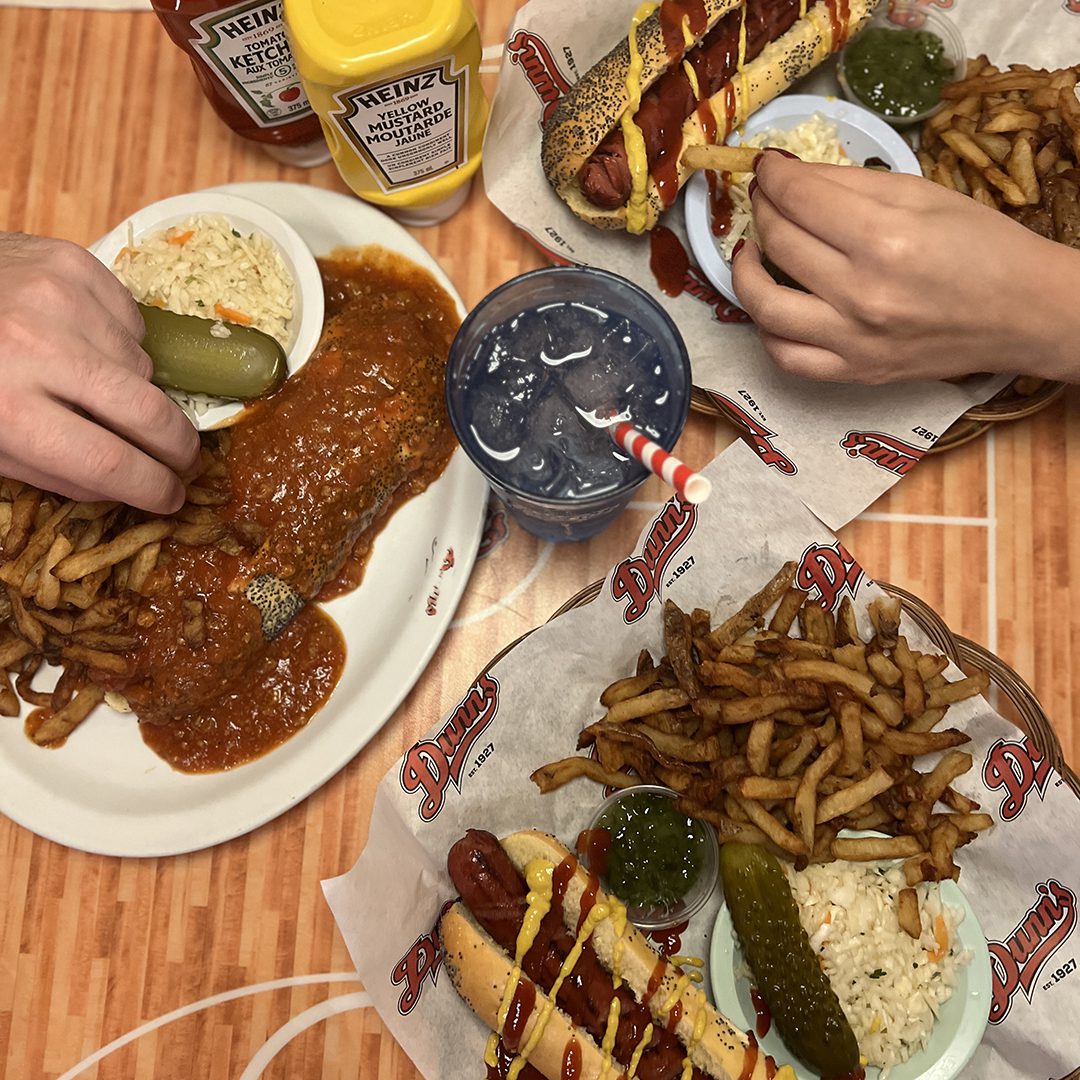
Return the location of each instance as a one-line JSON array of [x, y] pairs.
[[1021, 167], [84, 563], [557, 773], [907, 913], [63, 722], [849, 799], [644, 704], [753, 611], [960, 690], [719, 158], [806, 798], [757, 745], [783, 838], [870, 848], [630, 687]]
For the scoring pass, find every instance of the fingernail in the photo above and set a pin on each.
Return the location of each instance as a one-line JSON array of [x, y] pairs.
[[786, 153], [752, 187], [739, 245]]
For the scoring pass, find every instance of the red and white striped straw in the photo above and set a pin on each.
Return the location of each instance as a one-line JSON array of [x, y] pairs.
[[691, 486]]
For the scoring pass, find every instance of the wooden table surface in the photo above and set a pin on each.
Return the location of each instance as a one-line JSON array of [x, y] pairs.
[[101, 116]]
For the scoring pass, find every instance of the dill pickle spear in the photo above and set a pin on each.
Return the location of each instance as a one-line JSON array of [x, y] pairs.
[[187, 356], [786, 972]]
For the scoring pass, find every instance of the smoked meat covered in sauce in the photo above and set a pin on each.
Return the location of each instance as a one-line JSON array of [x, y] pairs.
[[313, 471]]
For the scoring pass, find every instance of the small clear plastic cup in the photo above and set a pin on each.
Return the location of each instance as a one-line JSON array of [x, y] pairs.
[[659, 916], [574, 516], [910, 15]]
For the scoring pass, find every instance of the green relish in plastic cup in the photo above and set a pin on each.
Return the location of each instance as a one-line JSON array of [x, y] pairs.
[[897, 73], [656, 860]]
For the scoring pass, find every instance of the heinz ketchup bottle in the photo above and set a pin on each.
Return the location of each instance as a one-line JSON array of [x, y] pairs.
[[245, 66]]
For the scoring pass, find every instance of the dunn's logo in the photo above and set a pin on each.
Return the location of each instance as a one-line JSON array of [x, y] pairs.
[[758, 435], [432, 765], [531, 53], [885, 451], [421, 961], [637, 579], [1017, 768], [828, 570], [1041, 931]]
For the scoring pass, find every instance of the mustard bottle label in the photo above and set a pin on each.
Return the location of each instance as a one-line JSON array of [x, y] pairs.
[[246, 48], [410, 128]]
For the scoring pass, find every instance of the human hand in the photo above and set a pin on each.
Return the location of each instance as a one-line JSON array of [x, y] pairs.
[[906, 280], [78, 413]]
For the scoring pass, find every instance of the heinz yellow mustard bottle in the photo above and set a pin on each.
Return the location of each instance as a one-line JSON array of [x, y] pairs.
[[396, 87]]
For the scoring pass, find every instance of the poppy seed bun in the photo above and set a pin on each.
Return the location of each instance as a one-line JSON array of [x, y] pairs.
[[591, 109], [480, 969]]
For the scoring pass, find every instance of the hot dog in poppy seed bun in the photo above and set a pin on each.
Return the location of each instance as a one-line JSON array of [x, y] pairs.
[[532, 926], [612, 152]]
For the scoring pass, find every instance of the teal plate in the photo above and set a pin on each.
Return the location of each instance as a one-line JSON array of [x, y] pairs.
[[958, 1031]]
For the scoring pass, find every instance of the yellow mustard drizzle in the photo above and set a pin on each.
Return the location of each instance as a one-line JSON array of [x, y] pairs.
[[608, 1044], [687, 33], [681, 984], [691, 75], [619, 923], [596, 916], [636, 208], [802, 9], [785, 1072], [538, 875], [698, 1031], [687, 961], [635, 1057], [744, 79]]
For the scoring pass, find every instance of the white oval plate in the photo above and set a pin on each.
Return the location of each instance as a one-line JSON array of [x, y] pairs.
[[247, 217], [956, 1035], [105, 791], [862, 135]]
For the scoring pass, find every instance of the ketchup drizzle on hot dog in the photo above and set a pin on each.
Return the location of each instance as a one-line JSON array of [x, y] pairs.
[[571, 1062], [503, 1059], [588, 899], [675, 1015], [560, 878], [750, 1056], [771, 1068], [593, 846], [495, 893], [605, 177], [521, 1007], [672, 13], [655, 979], [761, 1011], [721, 208]]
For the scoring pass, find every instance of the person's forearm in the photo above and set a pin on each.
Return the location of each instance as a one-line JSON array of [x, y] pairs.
[[1055, 318]]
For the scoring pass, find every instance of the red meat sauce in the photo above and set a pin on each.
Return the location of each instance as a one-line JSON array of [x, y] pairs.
[[308, 471]]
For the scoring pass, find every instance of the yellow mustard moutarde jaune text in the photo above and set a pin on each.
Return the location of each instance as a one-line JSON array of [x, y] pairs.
[[396, 87]]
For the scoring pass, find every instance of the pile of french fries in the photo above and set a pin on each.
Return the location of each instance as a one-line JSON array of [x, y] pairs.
[[71, 576], [787, 739], [1002, 134]]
